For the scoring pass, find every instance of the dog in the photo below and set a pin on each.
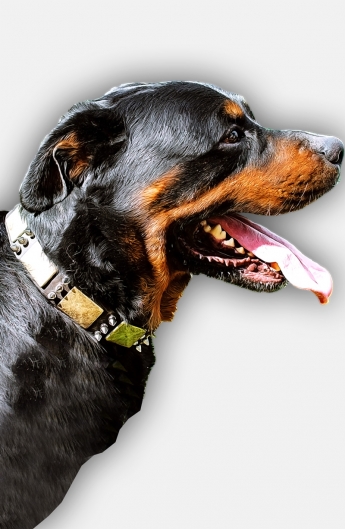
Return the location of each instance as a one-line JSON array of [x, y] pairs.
[[128, 197]]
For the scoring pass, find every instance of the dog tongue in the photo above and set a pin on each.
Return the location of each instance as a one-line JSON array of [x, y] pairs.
[[267, 246]]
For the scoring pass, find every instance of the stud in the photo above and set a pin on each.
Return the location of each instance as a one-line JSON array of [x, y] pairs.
[[104, 328], [59, 288], [112, 320], [51, 295], [23, 241], [98, 336], [15, 248], [138, 348]]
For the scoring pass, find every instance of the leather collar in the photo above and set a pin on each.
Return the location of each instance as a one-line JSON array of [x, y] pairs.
[[102, 322]]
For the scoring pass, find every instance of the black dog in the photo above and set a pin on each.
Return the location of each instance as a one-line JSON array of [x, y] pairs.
[[128, 196]]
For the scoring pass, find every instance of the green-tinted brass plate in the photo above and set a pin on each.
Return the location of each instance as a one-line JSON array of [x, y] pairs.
[[125, 334]]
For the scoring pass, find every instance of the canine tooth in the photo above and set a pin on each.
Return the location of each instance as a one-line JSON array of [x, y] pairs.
[[241, 250], [275, 266], [230, 243], [203, 223], [207, 228]]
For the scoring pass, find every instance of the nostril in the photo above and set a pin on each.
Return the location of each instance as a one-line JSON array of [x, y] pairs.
[[340, 156], [334, 151]]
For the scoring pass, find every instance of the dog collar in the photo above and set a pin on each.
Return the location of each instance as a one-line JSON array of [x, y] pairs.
[[102, 323]]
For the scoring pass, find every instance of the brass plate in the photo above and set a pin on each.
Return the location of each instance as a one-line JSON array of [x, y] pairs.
[[125, 334], [80, 308]]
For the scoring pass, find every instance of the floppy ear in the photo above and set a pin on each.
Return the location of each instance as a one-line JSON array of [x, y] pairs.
[[88, 135], [56, 169]]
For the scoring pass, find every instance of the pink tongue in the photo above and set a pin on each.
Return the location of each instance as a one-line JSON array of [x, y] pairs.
[[267, 246]]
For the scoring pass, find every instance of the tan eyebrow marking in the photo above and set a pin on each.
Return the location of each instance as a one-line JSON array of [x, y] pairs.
[[233, 109]]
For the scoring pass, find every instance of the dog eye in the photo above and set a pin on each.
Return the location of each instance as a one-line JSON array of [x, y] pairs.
[[234, 136]]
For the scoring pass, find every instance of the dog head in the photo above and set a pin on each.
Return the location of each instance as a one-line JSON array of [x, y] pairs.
[[146, 183]]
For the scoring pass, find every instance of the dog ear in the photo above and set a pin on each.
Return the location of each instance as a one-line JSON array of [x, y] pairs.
[[56, 169], [88, 135]]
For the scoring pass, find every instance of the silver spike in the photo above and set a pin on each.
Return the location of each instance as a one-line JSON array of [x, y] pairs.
[[98, 336], [112, 320], [138, 348], [104, 328]]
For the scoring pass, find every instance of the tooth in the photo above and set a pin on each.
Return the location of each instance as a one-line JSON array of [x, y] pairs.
[[230, 243], [250, 254], [241, 250], [203, 223], [218, 233], [207, 228], [275, 266]]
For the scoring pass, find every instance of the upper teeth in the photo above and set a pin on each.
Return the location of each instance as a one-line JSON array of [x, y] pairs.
[[218, 233]]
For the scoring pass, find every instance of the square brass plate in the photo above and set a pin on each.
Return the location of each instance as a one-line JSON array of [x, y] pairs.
[[80, 308]]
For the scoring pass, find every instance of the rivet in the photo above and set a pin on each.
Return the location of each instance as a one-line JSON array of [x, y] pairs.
[[51, 295], [65, 281], [15, 248], [98, 336], [29, 233], [59, 287], [112, 320], [104, 328], [23, 241]]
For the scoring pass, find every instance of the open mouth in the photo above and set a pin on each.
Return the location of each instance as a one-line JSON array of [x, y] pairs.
[[240, 251]]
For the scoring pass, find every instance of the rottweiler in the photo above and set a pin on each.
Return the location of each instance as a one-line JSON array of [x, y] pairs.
[[128, 197]]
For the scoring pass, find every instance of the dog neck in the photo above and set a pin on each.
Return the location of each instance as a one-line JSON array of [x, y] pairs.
[[103, 322]]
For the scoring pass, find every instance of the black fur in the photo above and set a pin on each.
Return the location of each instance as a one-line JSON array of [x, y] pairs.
[[63, 397]]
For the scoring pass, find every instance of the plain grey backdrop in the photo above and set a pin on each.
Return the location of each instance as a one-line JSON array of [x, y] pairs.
[[243, 422]]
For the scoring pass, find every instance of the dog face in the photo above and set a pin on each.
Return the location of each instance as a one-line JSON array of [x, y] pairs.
[[147, 183]]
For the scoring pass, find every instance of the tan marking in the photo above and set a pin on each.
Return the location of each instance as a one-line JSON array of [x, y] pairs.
[[172, 294], [79, 160], [263, 190], [161, 185], [233, 109]]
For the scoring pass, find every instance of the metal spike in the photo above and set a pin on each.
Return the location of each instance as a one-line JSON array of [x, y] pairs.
[[51, 295], [98, 336], [104, 328], [138, 348], [112, 320]]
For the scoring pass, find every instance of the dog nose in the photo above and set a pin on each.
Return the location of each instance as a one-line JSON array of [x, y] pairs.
[[332, 149]]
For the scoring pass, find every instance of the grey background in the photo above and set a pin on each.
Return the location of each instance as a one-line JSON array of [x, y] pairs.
[[243, 421]]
